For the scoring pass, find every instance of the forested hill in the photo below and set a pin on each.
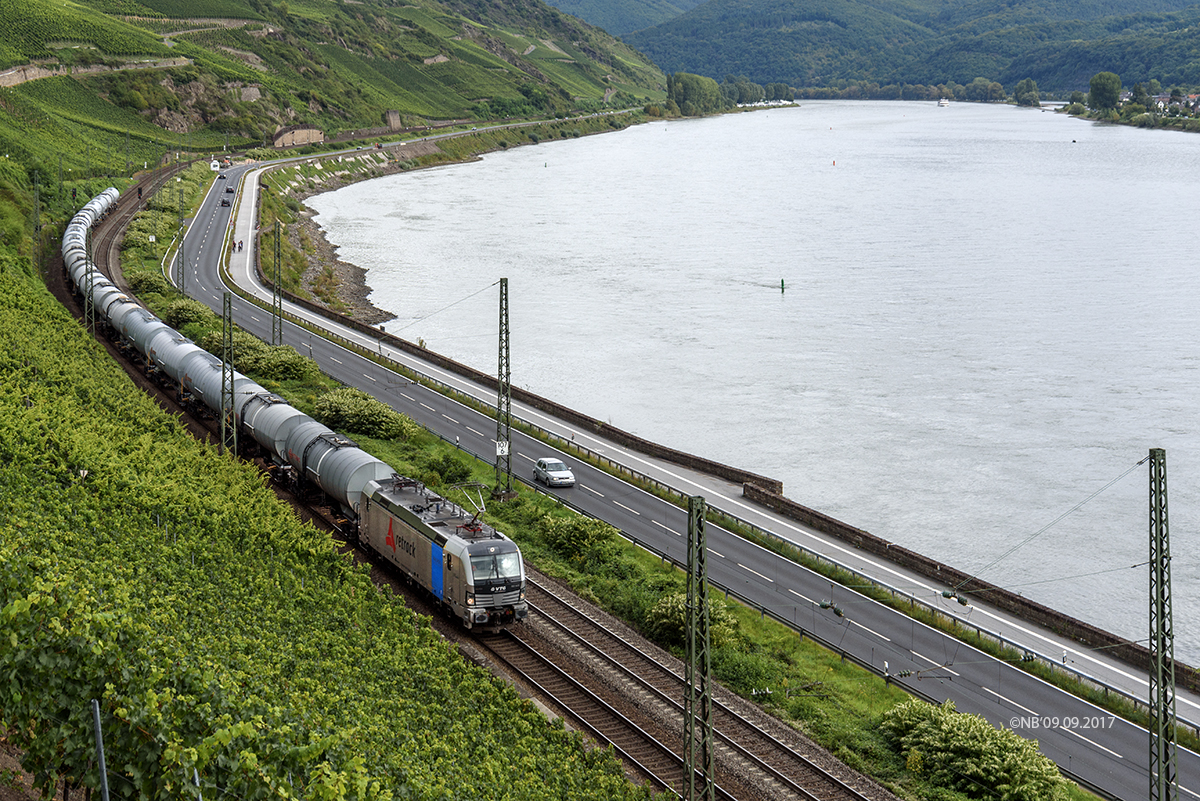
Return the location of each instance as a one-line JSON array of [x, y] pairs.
[[239, 70], [620, 17], [830, 42]]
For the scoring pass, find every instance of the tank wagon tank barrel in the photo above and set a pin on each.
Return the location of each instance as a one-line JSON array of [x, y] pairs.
[[475, 572]]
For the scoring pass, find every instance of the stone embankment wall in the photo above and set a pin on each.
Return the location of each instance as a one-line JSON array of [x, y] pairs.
[[769, 493], [593, 425], [32, 72], [969, 587]]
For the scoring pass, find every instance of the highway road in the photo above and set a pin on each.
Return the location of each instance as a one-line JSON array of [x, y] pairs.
[[1103, 752]]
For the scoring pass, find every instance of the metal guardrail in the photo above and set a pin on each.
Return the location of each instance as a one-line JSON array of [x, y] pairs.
[[936, 611], [612, 466]]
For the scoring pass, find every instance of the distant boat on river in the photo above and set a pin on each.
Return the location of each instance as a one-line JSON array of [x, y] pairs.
[[943, 102]]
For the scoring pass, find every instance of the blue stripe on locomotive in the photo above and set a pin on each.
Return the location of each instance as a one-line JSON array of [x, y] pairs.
[[435, 569]]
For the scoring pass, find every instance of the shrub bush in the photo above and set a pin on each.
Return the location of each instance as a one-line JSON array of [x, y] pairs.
[[148, 283], [354, 411], [667, 621], [577, 537], [966, 753], [184, 311], [253, 356], [450, 468]]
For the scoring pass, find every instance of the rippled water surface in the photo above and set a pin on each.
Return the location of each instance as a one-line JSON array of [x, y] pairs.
[[990, 314]]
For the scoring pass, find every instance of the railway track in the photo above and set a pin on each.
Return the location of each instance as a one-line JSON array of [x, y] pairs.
[[110, 231], [607, 684], [642, 752], [746, 755]]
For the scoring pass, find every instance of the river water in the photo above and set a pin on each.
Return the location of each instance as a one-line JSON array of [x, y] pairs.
[[989, 316]]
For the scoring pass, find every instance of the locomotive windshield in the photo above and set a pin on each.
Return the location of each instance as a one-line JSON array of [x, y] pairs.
[[496, 566]]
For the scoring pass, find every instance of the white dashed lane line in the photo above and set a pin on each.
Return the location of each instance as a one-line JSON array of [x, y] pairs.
[[627, 509], [935, 664], [451, 419], [666, 528], [872, 631], [755, 572], [798, 595], [589, 489]]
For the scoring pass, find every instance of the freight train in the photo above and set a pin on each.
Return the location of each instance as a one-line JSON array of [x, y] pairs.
[[473, 571]]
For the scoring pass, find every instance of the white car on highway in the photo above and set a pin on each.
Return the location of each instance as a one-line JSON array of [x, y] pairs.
[[553, 473]]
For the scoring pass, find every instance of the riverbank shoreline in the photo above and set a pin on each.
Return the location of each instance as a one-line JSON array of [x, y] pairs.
[[351, 290]]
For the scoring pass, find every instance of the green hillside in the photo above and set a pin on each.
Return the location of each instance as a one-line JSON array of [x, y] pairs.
[[620, 17], [243, 70], [833, 42], [227, 643]]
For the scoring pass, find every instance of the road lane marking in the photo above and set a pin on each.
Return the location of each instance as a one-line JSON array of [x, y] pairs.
[[936, 664], [480, 434], [414, 400], [589, 489], [627, 509], [1009, 700], [1093, 742], [710, 550], [755, 572], [430, 408], [336, 359], [798, 595], [864, 628], [376, 380], [660, 525], [451, 419]]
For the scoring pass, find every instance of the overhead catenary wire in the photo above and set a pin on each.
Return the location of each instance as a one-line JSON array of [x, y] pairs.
[[1049, 525], [444, 308]]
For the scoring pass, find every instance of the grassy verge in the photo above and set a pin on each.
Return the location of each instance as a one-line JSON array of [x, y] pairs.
[[835, 702], [306, 177]]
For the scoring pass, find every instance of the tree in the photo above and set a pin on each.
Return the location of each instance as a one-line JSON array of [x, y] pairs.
[[694, 94], [1026, 93], [1105, 91], [1078, 97], [1140, 96]]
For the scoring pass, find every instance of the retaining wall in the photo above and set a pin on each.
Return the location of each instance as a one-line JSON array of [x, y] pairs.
[[769, 493], [967, 586], [598, 427]]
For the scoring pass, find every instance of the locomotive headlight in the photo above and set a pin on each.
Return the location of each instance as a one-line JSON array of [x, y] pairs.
[[470, 598]]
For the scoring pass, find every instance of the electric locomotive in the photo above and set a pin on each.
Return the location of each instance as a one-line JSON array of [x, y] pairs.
[[475, 572]]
